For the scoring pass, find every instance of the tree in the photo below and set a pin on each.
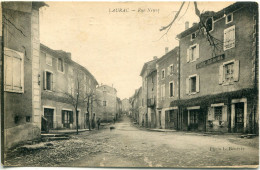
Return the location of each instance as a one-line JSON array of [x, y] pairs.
[[215, 43], [75, 93]]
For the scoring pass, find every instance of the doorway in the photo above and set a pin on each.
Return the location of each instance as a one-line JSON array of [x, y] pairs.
[[239, 117], [67, 118], [194, 122], [48, 114]]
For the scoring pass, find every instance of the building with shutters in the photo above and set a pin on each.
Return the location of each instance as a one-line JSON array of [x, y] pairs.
[[149, 92], [60, 79], [219, 88], [168, 90], [107, 103], [21, 97]]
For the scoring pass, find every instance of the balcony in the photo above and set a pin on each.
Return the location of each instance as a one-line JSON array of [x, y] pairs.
[[151, 102]]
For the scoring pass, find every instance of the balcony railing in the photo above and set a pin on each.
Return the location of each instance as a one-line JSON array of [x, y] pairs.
[[151, 102]]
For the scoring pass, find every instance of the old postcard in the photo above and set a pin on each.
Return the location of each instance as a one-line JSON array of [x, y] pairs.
[[130, 84]]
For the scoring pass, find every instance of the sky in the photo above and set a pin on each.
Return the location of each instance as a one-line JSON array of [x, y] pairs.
[[114, 39]]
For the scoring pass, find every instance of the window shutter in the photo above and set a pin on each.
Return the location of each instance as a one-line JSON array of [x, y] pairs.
[[62, 116], [17, 71], [52, 82], [210, 113], [8, 72], [233, 37], [224, 113], [236, 70], [71, 117], [197, 83], [173, 92], [220, 74], [44, 80], [197, 51], [188, 55], [187, 86]]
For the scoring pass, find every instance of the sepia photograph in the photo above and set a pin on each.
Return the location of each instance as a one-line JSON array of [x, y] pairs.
[[116, 84]]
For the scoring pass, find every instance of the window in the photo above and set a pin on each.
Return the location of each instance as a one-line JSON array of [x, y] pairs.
[[171, 89], [193, 36], [170, 69], [162, 91], [229, 18], [67, 117], [48, 59], [104, 103], [209, 24], [229, 38], [192, 84], [48, 81], [60, 65], [13, 71], [229, 72], [218, 113], [163, 74], [193, 53]]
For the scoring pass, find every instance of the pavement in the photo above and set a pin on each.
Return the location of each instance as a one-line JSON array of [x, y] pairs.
[[129, 146]]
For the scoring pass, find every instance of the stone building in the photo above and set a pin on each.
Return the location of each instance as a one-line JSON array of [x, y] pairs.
[[107, 103], [136, 103], [149, 88], [21, 117], [168, 90], [62, 79], [219, 87], [126, 106]]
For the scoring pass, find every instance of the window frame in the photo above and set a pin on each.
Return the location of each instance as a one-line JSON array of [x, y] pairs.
[[196, 51], [45, 81], [212, 24], [190, 84], [171, 69], [163, 74], [194, 37], [223, 74], [22, 71], [230, 14], [224, 39], [171, 95], [48, 56], [62, 65]]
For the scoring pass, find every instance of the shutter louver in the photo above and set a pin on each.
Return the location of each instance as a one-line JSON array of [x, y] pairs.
[[187, 86], [188, 55], [220, 74], [224, 113], [197, 51], [197, 83], [236, 70]]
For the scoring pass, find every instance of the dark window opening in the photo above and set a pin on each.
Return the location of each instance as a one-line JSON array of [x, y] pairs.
[[193, 84], [193, 36], [209, 24], [48, 81], [28, 118], [229, 18], [171, 89]]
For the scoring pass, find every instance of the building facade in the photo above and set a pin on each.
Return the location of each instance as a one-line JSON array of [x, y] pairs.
[[168, 90], [62, 79], [149, 88], [107, 103], [21, 91], [219, 87]]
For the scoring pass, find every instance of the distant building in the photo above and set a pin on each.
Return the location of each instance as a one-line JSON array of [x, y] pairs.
[[126, 106], [118, 108], [22, 97], [149, 88], [135, 110], [168, 90], [60, 77], [107, 99], [219, 87]]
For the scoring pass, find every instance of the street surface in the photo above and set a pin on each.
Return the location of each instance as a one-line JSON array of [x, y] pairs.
[[129, 146]]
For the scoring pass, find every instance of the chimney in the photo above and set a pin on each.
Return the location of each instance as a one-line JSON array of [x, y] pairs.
[[186, 25], [166, 50], [154, 57]]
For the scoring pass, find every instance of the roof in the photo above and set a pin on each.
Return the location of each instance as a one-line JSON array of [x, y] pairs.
[[67, 56], [169, 54], [218, 15], [150, 65]]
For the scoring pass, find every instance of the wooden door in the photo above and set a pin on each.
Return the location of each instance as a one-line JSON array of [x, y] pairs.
[[48, 114], [239, 117], [194, 121]]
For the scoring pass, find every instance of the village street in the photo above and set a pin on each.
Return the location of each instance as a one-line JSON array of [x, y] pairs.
[[128, 146]]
